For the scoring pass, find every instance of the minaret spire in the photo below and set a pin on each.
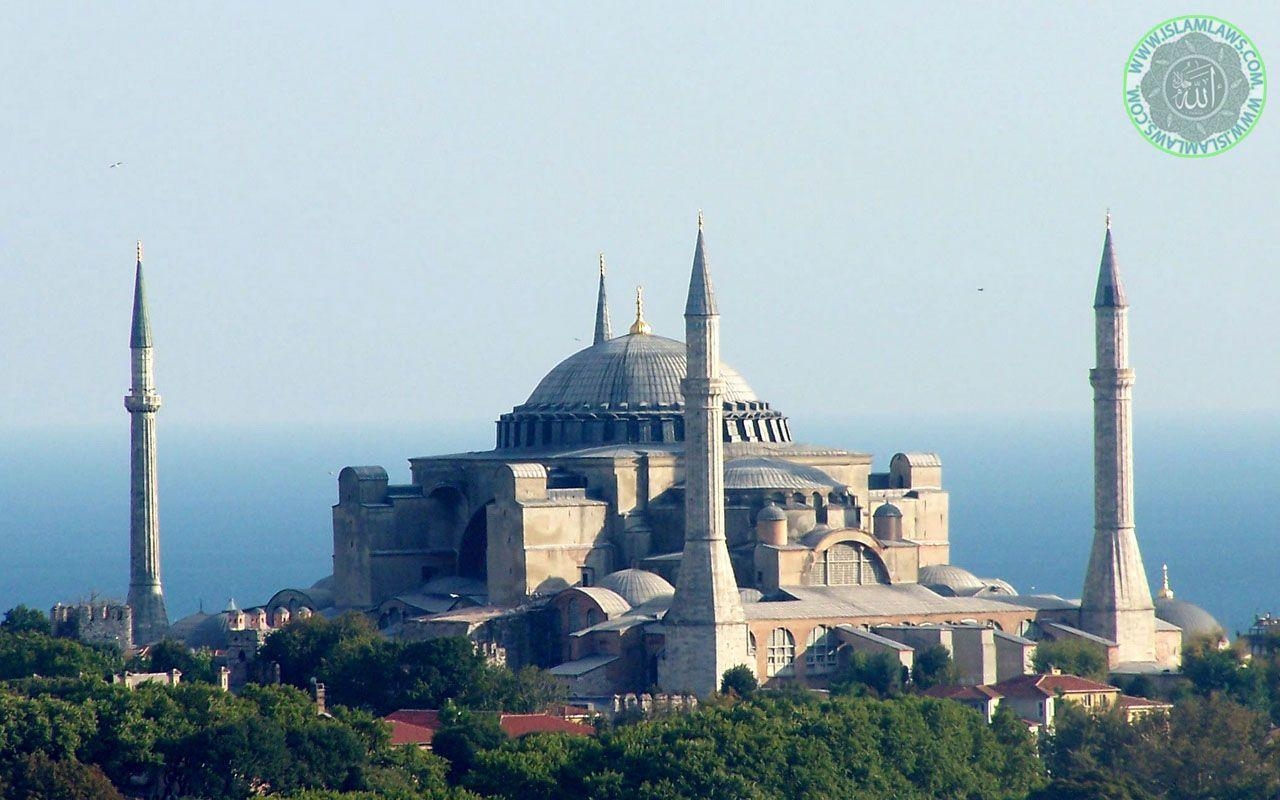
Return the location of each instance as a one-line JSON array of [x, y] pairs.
[[1116, 601], [604, 331], [146, 597], [705, 628]]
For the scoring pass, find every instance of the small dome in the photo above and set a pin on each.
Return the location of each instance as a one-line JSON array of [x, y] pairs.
[[949, 580], [771, 513], [888, 510], [636, 586], [774, 473], [1194, 620], [750, 595]]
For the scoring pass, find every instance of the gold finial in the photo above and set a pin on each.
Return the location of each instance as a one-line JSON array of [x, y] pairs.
[[640, 326], [1108, 219], [139, 251], [1165, 592], [602, 265], [699, 219]]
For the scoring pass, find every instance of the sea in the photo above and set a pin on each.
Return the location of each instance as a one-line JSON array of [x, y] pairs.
[[246, 511]]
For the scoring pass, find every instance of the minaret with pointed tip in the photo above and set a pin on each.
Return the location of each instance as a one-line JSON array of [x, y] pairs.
[[705, 629], [1116, 601], [146, 597], [604, 330]]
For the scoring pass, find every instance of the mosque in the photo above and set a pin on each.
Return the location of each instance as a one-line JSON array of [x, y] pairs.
[[646, 519]]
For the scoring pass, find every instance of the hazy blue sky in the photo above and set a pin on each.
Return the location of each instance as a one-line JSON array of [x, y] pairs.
[[393, 213]]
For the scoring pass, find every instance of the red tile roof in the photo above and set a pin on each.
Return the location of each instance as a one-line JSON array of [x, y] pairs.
[[1049, 686], [413, 725], [419, 726], [517, 725]]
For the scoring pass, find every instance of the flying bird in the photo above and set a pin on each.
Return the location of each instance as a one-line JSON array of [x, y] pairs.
[[117, 164], [981, 289]]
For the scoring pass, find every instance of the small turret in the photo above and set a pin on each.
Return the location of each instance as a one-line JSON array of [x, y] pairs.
[[886, 523], [771, 526]]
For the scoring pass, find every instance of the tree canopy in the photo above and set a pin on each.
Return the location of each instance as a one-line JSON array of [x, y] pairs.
[[362, 669]]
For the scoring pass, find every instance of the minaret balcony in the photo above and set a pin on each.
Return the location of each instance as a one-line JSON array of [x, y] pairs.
[[135, 403]]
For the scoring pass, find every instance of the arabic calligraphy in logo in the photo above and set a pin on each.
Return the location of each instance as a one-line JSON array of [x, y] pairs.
[[1195, 86]]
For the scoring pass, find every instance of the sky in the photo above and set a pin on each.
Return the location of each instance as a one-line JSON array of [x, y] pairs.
[[392, 212]]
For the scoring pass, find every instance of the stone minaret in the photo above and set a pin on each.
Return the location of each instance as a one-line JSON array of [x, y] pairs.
[[146, 598], [705, 629], [1116, 603], [604, 331]]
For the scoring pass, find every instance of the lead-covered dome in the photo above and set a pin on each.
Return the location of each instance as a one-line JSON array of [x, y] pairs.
[[627, 390], [637, 586], [1194, 620], [629, 372], [949, 580]]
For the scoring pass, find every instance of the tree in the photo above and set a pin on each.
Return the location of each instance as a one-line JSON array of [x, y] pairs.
[[23, 619], [167, 654], [464, 734], [934, 667], [23, 655], [739, 681], [881, 673], [1204, 748], [769, 746], [1072, 656], [38, 777], [360, 668]]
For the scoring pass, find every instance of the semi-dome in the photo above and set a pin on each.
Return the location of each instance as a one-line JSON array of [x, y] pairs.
[[1194, 620], [637, 586], [775, 473], [948, 579], [627, 390]]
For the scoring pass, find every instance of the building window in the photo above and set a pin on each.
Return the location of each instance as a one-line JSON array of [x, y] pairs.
[[588, 576], [847, 564], [782, 653], [819, 654], [820, 651], [751, 644]]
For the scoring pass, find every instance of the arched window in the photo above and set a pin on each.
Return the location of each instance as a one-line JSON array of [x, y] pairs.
[[751, 644], [819, 654], [847, 564], [781, 657], [820, 651]]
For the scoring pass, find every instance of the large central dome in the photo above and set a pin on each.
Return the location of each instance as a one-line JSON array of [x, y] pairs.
[[638, 371], [627, 391]]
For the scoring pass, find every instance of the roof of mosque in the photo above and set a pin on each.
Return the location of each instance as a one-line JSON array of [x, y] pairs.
[[639, 370], [637, 586], [888, 510], [948, 576], [1191, 618], [880, 600], [775, 473]]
